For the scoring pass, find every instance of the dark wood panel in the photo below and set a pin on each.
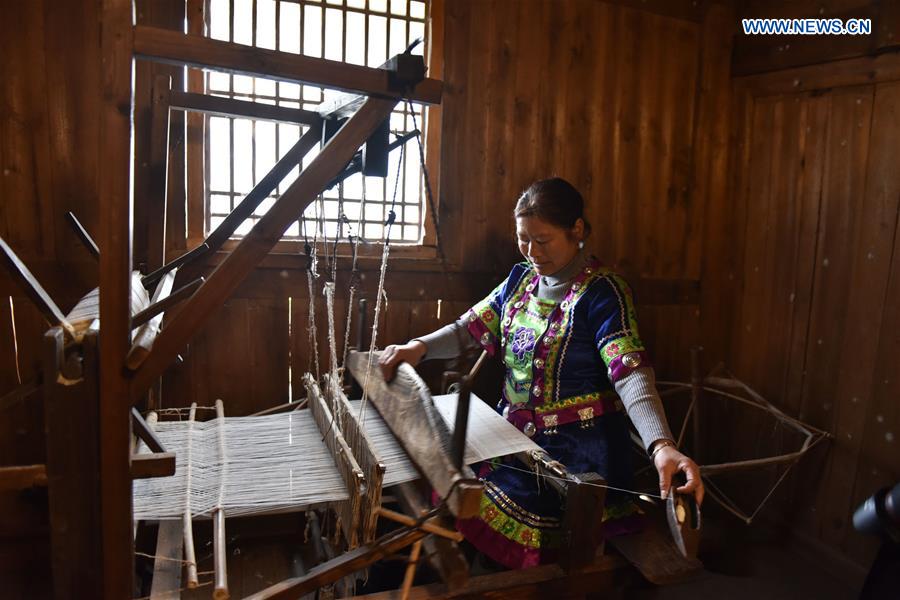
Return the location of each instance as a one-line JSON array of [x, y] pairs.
[[871, 247], [24, 151]]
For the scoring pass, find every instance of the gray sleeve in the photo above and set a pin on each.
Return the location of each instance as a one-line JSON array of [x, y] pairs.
[[445, 342], [638, 393]]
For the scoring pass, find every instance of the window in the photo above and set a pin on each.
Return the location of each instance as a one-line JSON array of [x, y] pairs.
[[239, 151]]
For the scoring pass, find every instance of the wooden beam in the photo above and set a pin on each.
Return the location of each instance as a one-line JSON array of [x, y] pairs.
[[83, 235], [229, 107], [21, 478], [32, 288], [165, 302], [172, 47], [406, 407], [259, 241], [841, 73], [344, 565], [242, 211], [72, 423], [145, 432], [160, 464], [115, 203]]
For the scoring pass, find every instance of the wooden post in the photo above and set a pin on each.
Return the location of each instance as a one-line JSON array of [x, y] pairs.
[[115, 199], [71, 420], [583, 520]]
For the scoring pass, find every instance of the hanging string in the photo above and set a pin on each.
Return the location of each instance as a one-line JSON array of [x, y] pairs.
[[380, 294], [428, 192], [563, 479]]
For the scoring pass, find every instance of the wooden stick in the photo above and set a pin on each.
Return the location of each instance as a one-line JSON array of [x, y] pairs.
[[165, 303], [426, 525], [343, 565], [189, 555], [477, 366], [229, 107], [83, 235], [145, 432], [148, 280], [410, 570], [157, 464], [172, 47], [259, 241], [219, 546], [33, 289]]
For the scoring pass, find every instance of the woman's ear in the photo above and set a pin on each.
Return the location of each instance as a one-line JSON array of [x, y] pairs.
[[578, 229]]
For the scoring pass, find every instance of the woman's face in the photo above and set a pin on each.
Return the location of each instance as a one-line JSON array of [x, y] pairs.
[[547, 247]]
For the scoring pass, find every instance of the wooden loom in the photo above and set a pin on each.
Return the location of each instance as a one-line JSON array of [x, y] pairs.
[[117, 368]]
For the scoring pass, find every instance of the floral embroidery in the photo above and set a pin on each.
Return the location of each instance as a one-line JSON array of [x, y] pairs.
[[622, 345], [574, 401], [523, 343], [487, 315]]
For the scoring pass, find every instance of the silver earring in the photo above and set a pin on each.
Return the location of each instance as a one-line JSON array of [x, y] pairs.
[[581, 244]]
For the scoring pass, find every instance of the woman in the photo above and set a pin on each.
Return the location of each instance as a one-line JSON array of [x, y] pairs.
[[565, 330]]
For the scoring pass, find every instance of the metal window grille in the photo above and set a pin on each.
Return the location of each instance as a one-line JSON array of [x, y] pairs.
[[240, 151]]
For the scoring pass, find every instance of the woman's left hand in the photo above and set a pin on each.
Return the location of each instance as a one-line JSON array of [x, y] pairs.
[[669, 461]]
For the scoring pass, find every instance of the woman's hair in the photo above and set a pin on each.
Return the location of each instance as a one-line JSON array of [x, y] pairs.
[[555, 201]]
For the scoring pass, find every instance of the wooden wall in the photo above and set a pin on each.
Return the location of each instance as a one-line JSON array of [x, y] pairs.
[[816, 199]]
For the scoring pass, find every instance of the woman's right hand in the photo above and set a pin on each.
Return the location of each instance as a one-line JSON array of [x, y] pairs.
[[410, 352]]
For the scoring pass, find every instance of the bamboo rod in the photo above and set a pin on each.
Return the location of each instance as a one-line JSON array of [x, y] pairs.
[[425, 526], [190, 556], [219, 546]]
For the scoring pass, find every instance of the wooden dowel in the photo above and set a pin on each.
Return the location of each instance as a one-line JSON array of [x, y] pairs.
[[411, 570], [33, 289], [477, 366], [189, 256], [189, 555], [295, 405], [219, 546], [83, 235], [166, 303], [425, 526], [221, 589]]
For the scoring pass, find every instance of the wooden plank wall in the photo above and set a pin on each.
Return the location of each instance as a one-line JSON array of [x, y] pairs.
[[816, 327]]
